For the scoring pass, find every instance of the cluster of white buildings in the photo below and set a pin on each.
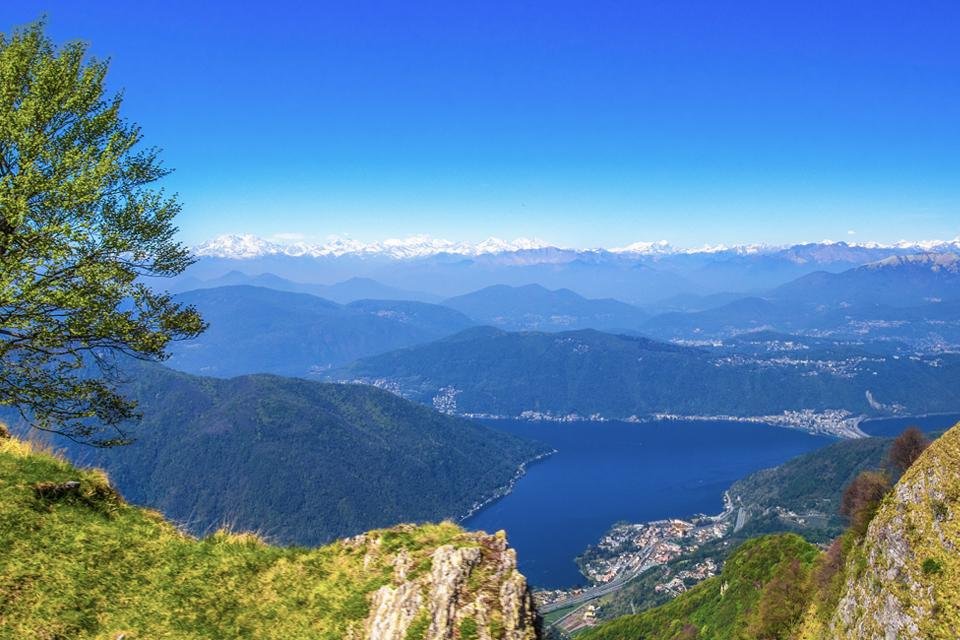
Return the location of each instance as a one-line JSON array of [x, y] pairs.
[[682, 580], [633, 548]]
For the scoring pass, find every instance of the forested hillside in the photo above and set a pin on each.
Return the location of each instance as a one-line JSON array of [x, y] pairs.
[[486, 370], [300, 461]]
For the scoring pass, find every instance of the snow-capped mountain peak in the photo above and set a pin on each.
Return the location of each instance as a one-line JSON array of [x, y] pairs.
[[534, 250], [237, 246], [242, 246], [937, 262], [645, 248]]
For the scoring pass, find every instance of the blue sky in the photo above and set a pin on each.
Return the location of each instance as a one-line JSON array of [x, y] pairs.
[[585, 124]]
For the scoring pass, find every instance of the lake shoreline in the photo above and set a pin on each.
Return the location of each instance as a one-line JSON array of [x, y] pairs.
[[504, 490], [836, 423]]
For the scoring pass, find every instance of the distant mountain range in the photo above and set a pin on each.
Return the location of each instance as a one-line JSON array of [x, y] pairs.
[[641, 273], [260, 330], [299, 461], [349, 290], [489, 371], [914, 299], [535, 307], [242, 246]]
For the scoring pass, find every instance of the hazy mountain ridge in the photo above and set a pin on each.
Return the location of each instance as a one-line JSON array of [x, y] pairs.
[[349, 290], [533, 307], [636, 276], [260, 330], [912, 298]]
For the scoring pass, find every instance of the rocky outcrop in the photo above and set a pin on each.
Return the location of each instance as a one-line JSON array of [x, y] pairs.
[[903, 580], [470, 590]]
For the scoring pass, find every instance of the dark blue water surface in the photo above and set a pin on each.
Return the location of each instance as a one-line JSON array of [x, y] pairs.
[[605, 472], [894, 426]]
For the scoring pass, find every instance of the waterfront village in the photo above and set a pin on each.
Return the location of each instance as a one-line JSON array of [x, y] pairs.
[[629, 549]]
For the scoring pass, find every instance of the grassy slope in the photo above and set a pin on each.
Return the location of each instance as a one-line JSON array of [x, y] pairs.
[[90, 566], [725, 606]]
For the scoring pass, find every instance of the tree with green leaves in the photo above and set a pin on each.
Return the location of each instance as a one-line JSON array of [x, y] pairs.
[[82, 225]]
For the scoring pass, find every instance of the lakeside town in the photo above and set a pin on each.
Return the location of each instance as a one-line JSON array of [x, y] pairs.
[[629, 549], [838, 423]]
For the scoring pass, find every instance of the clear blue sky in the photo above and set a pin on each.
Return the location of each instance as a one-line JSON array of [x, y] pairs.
[[588, 123]]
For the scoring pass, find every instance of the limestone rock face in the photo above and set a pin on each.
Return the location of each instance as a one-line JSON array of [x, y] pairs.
[[904, 581], [468, 591]]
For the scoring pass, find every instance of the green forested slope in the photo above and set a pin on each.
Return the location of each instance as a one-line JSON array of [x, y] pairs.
[[300, 461], [810, 486], [618, 376]]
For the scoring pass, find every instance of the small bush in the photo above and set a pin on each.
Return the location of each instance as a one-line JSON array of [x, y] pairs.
[[906, 448], [688, 632], [468, 629], [4, 432], [418, 628], [931, 567], [940, 510], [356, 606], [861, 499]]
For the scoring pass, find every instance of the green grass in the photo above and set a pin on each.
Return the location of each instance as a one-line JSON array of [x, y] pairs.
[[89, 566], [553, 616]]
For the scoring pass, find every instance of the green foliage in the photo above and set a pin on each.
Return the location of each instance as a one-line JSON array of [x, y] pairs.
[[811, 483], [760, 591], [469, 629], [69, 570], [304, 462], [830, 573], [80, 224], [931, 567], [782, 604], [418, 628]]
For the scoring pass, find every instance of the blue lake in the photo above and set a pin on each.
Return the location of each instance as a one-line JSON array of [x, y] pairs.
[[894, 426], [605, 472]]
